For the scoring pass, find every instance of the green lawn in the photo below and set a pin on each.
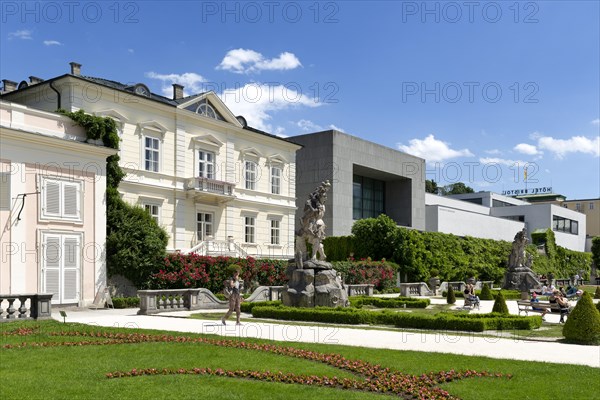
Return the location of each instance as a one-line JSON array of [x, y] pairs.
[[79, 372]]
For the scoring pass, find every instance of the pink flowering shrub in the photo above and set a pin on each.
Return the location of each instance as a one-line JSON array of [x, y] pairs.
[[382, 273], [182, 271]]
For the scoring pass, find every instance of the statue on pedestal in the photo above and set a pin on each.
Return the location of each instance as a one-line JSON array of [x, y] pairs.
[[312, 281], [519, 275]]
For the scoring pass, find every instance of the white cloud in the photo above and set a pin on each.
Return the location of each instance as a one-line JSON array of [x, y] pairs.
[[528, 149], [493, 152], [575, 144], [502, 161], [243, 61], [433, 150], [24, 34], [52, 43], [190, 80], [257, 101], [309, 126], [535, 135], [596, 122]]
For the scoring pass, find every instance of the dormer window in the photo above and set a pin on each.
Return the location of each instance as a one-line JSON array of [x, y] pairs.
[[206, 110], [142, 90]]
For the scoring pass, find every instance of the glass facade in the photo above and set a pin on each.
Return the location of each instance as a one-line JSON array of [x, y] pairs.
[[367, 197], [566, 225]]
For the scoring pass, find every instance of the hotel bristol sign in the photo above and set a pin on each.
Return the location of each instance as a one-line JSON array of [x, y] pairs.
[[519, 192]]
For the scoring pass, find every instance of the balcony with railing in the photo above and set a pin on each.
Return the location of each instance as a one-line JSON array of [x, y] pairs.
[[206, 189]]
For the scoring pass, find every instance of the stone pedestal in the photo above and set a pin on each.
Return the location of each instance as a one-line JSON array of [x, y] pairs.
[[316, 286], [520, 278]]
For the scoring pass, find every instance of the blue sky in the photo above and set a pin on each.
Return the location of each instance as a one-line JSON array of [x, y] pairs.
[[479, 89]]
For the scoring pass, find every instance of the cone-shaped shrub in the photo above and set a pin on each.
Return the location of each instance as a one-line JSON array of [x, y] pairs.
[[486, 293], [597, 293], [598, 306], [583, 323], [450, 298], [500, 304]]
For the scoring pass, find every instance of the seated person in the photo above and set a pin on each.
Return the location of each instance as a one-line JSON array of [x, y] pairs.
[[549, 290], [470, 294], [534, 300], [571, 291]]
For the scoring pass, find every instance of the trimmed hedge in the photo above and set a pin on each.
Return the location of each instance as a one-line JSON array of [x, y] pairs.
[[486, 293], [126, 302], [441, 321], [247, 307], [454, 257], [450, 296], [583, 324], [390, 302], [500, 304], [597, 293]]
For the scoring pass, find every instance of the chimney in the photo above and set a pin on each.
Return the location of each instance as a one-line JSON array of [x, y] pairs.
[[34, 79], [9, 86], [177, 91], [75, 68]]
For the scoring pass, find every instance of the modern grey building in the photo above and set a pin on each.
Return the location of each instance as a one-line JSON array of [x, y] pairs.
[[367, 180]]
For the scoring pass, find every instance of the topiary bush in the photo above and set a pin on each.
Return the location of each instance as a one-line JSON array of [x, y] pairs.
[[486, 293], [450, 298], [598, 306], [583, 323], [500, 304], [597, 293]]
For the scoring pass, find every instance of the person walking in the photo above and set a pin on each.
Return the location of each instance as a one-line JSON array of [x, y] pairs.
[[233, 289]]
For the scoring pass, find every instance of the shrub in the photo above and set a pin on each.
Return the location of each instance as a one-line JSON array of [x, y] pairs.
[[381, 274], [390, 302], [180, 271], [450, 298], [583, 323], [375, 237], [486, 293], [338, 248], [597, 293], [442, 321], [598, 306], [248, 306], [500, 304], [135, 244], [126, 302]]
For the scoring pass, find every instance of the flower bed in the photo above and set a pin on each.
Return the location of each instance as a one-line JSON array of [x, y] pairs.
[[369, 377]]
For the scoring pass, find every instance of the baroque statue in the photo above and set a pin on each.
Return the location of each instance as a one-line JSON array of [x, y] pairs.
[[312, 227], [519, 275]]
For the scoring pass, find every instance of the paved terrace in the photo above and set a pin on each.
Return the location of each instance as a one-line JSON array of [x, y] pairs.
[[440, 342]]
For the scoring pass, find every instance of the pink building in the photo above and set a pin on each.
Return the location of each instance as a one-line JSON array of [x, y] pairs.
[[52, 207]]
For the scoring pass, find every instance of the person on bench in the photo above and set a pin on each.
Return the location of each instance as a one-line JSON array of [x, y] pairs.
[[534, 300], [470, 295]]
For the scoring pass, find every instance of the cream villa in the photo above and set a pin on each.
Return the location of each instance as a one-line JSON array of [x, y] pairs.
[[216, 185]]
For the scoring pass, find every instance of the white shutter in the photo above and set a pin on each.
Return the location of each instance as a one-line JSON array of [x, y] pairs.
[[52, 198], [71, 200], [5, 191], [52, 256], [70, 268]]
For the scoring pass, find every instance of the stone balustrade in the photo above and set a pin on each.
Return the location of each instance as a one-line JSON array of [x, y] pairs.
[[360, 290], [415, 289], [30, 306], [156, 301]]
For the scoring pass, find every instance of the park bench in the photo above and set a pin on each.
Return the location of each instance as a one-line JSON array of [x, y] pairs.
[[527, 307]]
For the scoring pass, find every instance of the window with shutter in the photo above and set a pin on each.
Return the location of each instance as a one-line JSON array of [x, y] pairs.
[[61, 266], [4, 191], [52, 254], [61, 199]]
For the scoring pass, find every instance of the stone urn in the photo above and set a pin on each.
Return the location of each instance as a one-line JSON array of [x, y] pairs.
[[434, 283]]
